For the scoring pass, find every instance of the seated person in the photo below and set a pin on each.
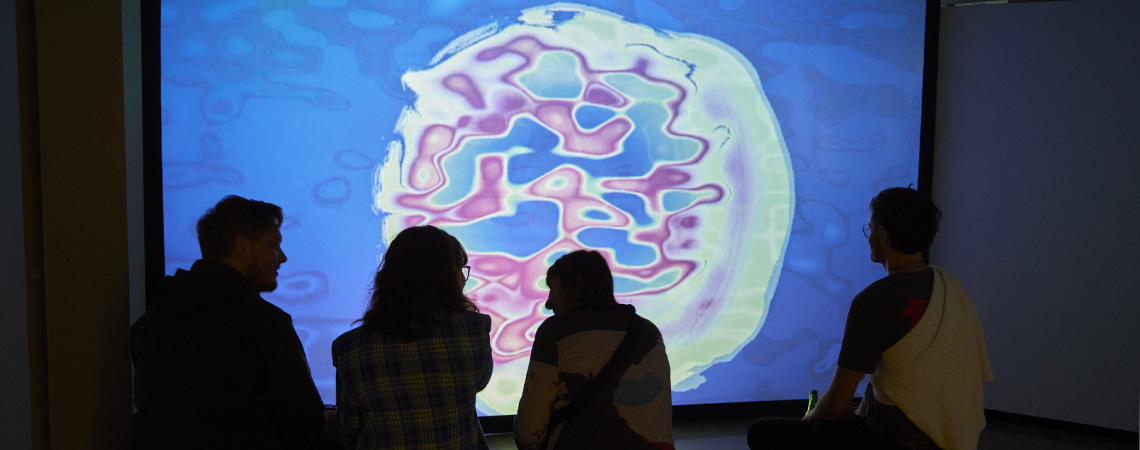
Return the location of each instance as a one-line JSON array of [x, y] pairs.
[[574, 396], [217, 366], [407, 377], [918, 335]]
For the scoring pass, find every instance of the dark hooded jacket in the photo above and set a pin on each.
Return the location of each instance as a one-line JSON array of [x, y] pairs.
[[217, 367]]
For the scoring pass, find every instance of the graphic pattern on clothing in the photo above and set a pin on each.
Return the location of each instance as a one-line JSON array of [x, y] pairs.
[[633, 411], [880, 316], [915, 310]]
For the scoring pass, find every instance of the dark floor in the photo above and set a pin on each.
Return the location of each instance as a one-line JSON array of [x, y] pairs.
[[1003, 431], [1016, 432]]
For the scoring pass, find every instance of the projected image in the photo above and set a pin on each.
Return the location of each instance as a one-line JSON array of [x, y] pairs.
[[719, 153], [575, 129]]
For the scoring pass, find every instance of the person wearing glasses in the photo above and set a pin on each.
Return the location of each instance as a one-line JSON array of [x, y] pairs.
[[407, 377], [916, 332]]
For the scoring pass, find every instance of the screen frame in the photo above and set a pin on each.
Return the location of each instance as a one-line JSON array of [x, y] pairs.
[[155, 265]]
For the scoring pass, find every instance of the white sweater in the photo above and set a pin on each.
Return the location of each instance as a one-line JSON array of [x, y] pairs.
[[934, 374]]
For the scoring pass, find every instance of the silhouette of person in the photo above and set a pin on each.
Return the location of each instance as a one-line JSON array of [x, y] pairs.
[[407, 377], [598, 376], [217, 366], [916, 332]]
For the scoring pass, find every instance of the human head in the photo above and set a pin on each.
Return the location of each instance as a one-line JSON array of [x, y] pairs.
[[909, 217], [246, 234], [419, 283], [582, 280]]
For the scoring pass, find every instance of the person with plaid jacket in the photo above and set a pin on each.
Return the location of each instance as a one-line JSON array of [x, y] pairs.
[[407, 377]]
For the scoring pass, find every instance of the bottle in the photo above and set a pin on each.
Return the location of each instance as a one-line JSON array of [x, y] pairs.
[[813, 397]]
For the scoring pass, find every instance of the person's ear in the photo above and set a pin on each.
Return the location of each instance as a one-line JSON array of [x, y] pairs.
[[243, 248], [884, 237], [579, 280]]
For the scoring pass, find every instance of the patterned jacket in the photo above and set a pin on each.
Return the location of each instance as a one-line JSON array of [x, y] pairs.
[[418, 395], [633, 412]]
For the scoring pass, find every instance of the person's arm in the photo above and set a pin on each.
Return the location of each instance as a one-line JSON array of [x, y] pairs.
[[348, 413], [485, 363], [859, 352], [296, 405], [539, 393], [835, 403]]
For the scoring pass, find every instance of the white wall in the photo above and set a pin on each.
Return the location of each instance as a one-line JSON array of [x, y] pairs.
[[1036, 166], [15, 397]]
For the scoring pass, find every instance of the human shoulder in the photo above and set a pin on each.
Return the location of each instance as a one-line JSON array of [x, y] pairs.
[[473, 318], [565, 324], [466, 324], [890, 286], [266, 318], [552, 329], [871, 306], [874, 290], [649, 327], [352, 334], [557, 326], [266, 310], [946, 275], [349, 338]]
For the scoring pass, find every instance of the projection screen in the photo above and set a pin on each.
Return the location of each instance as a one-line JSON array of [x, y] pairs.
[[720, 154]]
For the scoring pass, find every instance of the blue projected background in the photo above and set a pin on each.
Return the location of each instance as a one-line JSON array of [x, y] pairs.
[[720, 154]]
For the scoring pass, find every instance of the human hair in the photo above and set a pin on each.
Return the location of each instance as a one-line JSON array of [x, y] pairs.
[[234, 216], [587, 279], [415, 288], [909, 216]]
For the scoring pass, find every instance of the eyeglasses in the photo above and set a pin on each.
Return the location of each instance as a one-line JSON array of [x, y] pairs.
[[466, 271], [867, 230]]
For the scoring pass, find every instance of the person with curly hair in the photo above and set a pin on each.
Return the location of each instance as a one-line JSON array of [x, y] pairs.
[[407, 377]]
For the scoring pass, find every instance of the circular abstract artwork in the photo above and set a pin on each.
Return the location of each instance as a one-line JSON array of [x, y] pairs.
[[574, 128]]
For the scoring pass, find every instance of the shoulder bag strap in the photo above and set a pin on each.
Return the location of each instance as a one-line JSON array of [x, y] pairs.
[[586, 393]]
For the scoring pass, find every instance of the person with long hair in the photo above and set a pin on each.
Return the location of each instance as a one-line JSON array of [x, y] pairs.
[[598, 376], [407, 377]]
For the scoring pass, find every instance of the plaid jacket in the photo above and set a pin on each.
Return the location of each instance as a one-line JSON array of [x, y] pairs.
[[419, 395]]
